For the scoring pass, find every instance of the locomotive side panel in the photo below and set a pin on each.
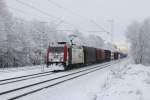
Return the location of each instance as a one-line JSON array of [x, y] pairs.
[[77, 55]]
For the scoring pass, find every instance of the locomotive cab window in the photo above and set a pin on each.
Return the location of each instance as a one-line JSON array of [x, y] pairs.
[[56, 54], [57, 49]]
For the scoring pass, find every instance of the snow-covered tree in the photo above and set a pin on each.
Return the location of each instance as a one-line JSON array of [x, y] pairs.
[[95, 41], [90, 40], [133, 35], [138, 35], [110, 46], [145, 40], [25, 42], [6, 23], [20, 40]]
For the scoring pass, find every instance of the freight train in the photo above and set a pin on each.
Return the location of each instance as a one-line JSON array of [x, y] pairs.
[[70, 56]]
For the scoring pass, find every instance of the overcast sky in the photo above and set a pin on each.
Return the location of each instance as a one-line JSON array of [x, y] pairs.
[[79, 13]]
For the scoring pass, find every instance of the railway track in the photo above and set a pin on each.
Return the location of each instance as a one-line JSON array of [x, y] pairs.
[[26, 77], [15, 93]]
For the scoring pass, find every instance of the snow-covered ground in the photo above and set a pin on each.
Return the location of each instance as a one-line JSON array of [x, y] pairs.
[[123, 80], [84, 88], [129, 82], [14, 85]]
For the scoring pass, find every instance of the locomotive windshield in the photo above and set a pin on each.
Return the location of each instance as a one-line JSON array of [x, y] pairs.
[[56, 54], [57, 49]]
